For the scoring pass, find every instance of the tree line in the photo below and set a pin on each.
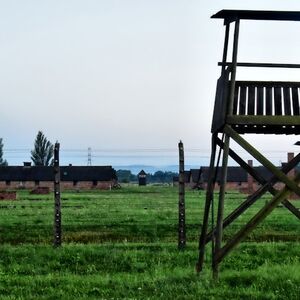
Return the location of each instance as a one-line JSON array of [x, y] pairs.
[[41, 154], [125, 176]]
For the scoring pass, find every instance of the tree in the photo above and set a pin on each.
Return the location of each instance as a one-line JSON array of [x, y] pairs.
[[125, 176], [3, 162], [42, 153], [161, 177]]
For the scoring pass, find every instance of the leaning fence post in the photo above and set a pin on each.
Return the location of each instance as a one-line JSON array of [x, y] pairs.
[[181, 202], [57, 208]]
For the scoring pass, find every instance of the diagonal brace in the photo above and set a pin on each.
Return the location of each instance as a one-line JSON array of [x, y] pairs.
[[264, 161], [258, 218], [266, 186]]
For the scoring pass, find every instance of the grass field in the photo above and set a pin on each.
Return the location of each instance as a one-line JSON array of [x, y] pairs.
[[123, 244]]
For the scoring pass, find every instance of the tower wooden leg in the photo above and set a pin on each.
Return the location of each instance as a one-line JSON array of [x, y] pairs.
[[208, 201], [219, 227]]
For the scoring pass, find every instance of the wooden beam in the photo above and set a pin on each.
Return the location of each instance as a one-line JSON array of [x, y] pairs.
[[229, 14], [269, 84], [242, 163], [225, 49], [267, 186], [239, 210], [57, 200], [220, 216], [233, 72], [259, 157], [181, 200], [263, 120], [261, 65], [208, 202], [258, 218], [293, 209]]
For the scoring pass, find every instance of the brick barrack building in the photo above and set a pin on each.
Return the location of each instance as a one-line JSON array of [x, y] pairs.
[[72, 177]]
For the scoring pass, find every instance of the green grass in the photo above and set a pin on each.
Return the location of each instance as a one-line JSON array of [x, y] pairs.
[[123, 244], [146, 271]]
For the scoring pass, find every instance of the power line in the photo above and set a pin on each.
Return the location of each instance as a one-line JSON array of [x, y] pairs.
[[134, 150]]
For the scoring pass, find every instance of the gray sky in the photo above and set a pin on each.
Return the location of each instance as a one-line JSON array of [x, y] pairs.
[[128, 74]]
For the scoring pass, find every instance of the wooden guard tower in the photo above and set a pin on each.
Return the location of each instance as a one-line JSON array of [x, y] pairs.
[[241, 107]]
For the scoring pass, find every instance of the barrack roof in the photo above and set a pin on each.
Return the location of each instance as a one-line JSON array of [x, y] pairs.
[[232, 15]]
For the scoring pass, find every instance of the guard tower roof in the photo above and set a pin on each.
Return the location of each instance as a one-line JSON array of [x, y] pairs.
[[232, 15]]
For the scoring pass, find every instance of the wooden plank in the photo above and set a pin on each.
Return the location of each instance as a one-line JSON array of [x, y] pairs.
[[220, 216], [268, 83], [269, 129], [230, 15], [57, 200], [294, 210], [260, 100], [220, 102], [262, 65], [235, 100], [251, 100], [264, 120], [225, 48], [269, 104], [233, 67], [181, 200], [277, 101], [208, 202], [295, 100], [287, 101], [242, 109]]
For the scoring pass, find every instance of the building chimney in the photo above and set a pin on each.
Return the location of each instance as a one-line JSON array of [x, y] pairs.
[[250, 179]]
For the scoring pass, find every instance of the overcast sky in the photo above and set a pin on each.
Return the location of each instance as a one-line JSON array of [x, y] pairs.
[[128, 74]]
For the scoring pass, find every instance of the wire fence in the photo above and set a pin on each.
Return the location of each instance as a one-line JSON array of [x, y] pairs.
[[130, 214]]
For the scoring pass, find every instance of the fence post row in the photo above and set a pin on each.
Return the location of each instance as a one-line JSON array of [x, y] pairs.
[[57, 206], [181, 202]]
